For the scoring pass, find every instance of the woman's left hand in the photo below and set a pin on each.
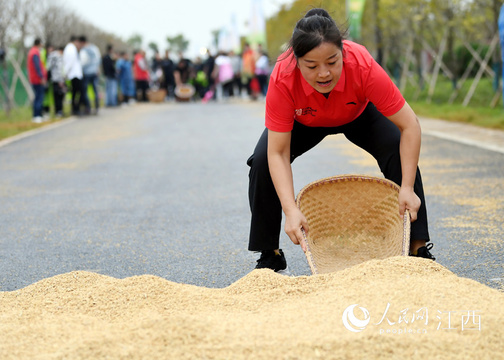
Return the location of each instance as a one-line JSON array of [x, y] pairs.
[[409, 200]]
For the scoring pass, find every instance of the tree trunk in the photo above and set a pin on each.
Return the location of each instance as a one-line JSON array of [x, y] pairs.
[[451, 61], [378, 33], [437, 66]]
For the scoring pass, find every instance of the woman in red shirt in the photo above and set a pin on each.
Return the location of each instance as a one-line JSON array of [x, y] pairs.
[[325, 85]]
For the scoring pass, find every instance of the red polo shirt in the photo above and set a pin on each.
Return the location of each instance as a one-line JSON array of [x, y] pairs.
[[139, 72], [290, 98]]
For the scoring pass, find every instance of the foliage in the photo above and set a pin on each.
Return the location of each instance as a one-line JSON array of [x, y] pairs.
[[426, 20], [390, 28], [135, 41], [279, 27], [51, 20], [177, 43], [478, 113], [154, 47], [464, 57], [482, 97]]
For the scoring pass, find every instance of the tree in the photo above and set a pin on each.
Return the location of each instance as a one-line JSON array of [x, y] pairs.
[[8, 14], [135, 41], [153, 46], [279, 27], [378, 32], [55, 24], [25, 22], [487, 13], [177, 43]]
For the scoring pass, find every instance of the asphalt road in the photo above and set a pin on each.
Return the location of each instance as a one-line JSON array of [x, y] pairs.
[[162, 189]]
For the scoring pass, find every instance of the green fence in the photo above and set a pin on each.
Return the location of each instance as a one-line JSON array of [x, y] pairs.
[[20, 95]]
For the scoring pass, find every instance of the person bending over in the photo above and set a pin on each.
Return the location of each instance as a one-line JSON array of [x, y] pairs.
[[325, 85]]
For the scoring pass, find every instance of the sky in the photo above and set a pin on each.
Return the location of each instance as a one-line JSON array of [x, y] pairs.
[[157, 19]]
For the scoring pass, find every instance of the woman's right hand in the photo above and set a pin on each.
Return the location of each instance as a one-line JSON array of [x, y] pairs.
[[294, 221]]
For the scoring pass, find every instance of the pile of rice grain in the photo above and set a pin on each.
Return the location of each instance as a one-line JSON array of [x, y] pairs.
[[415, 308]]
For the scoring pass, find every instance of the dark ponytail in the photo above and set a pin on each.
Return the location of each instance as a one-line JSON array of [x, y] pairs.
[[316, 27]]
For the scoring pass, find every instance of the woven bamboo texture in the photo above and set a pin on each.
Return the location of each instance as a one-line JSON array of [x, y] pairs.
[[157, 95], [352, 219], [184, 92]]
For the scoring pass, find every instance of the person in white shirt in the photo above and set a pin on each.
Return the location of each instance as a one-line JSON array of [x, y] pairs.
[[55, 66], [73, 71], [223, 73]]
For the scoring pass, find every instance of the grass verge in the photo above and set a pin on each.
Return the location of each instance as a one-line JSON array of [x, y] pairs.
[[19, 120], [478, 112], [479, 116]]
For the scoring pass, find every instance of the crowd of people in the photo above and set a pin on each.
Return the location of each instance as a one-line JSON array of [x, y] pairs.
[[54, 71], [76, 70], [225, 75]]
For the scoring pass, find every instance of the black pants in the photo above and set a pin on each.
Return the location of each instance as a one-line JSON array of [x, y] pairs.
[[371, 131], [263, 83], [238, 84], [93, 81], [143, 86], [76, 95], [227, 89], [58, 94]]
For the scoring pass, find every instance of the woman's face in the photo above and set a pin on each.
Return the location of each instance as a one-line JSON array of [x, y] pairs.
[[322, 66]]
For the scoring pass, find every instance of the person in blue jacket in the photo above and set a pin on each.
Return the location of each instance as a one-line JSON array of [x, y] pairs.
[[125, 76]]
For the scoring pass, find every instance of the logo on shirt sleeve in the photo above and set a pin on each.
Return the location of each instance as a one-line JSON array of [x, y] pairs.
[[306, 111]]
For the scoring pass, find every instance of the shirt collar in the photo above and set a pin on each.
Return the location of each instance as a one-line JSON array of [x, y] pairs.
[[308, 89]]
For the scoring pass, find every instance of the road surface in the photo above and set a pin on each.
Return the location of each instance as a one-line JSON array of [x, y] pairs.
[[162, 189]]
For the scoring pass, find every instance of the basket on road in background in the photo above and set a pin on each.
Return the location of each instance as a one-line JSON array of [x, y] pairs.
[[352, 219], [184, 92], [156, 95]]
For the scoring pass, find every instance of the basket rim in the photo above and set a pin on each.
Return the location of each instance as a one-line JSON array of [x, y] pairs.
[[188, 95], [345, 178]]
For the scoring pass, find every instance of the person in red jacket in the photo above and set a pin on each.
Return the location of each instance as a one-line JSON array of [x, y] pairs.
[[141, 73], [37, 76], [325, 85]]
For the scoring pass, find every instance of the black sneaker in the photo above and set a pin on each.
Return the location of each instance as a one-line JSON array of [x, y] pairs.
[[424, 252], [270, 260]]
